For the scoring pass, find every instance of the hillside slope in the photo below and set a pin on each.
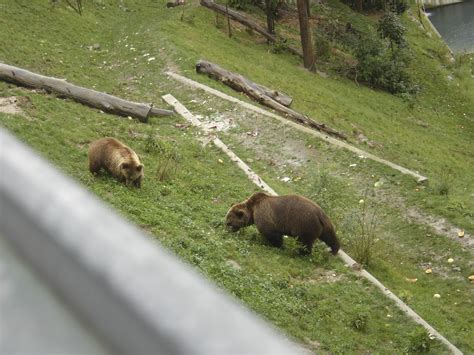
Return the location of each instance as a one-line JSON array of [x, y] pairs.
[[126, 49]]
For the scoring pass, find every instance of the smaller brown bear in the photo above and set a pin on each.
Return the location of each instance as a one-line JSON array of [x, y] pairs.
[[116, 158], [276, 216]]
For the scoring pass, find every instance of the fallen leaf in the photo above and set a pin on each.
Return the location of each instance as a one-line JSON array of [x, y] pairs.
[[471, 278], [221, 161], [378, 184], [428, 271], [411, 280], [437, 295], [450, 260], [461, 234]]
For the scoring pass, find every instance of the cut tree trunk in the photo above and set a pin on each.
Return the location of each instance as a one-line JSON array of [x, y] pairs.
[[241, 84], [305, 34], [83, 95], [244, 20]]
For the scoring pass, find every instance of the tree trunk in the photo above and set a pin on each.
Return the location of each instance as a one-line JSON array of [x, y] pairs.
[[270, 18], [306, 44], [83, 95], [236, 16], [239, 83]]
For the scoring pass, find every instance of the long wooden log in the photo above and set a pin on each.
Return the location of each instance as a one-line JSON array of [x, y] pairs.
[[238, 84], [83, 95], [236, 16], [229, 78]]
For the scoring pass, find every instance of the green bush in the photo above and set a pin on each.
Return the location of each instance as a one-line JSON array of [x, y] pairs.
[[380, 68], [391, 28]]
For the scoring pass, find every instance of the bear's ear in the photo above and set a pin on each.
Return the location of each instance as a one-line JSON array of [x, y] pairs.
[[125, 165], [140, 167]]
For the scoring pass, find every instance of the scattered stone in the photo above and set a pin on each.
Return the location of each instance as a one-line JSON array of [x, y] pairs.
[[233, 265]]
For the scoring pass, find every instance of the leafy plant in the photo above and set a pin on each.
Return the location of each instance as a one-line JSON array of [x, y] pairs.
[[360, 322], [420, 341], [363, 227], [390, 27]]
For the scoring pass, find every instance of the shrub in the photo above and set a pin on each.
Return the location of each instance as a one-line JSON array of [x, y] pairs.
[[420, 342], [390, 27], [381, 68], [362, 226]]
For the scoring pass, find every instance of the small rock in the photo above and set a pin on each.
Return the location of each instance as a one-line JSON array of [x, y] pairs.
[[456, 268], [461, 234], [437, 295], [233, 265], [471, 278], [450, 260], [428, 271], [361, 201]]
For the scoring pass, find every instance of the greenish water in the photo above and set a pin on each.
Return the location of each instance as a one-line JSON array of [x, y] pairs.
[[455, 23]]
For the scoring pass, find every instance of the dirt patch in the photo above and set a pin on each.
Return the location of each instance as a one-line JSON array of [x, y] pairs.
[[440, 226], [322, 276], [11, 105], [216, 122]]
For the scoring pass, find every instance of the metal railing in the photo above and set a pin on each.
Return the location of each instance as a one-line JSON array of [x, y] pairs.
[[136, 297]]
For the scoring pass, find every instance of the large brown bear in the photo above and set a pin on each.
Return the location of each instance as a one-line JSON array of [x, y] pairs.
[[116, 158], [276, 216]]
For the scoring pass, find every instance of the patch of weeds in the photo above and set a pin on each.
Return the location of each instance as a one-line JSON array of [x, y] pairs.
[[168, 158], [363, 227], [405, 295], [360, 322], [442, 186], [279, 46], [420, 342]]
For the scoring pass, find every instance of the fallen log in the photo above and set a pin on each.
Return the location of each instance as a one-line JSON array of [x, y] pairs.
[[239, 82], [83, 95], [236, 16], [236, 82]]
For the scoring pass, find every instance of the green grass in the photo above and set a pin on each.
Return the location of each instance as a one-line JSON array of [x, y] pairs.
[[312, 298]]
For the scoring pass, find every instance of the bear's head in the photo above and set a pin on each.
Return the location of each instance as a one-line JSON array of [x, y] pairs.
[[238, 217], [133, 173]]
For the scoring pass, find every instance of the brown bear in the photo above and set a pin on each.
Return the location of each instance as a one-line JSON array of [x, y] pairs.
[[116, 158], [276, 216]]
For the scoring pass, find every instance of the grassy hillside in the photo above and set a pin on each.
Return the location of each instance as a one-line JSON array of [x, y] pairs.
[[124, 48]]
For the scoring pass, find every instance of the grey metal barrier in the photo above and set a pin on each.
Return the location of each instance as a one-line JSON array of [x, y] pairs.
[[126, 293]]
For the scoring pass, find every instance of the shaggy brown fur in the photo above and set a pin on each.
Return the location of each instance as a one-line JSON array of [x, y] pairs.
[[276, 216], [116, 158]]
